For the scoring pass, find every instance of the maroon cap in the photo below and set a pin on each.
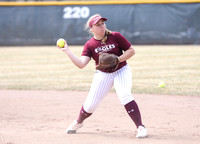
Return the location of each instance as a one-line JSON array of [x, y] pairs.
[[95, 20]]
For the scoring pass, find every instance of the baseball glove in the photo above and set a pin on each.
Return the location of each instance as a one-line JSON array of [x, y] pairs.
[[107, 60]]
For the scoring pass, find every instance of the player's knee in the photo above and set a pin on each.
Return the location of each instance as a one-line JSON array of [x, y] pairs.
[[126, 99], [90, 108]]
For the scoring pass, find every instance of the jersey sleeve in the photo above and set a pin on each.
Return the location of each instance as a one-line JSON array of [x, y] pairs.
[[122, 41], [86, 50]]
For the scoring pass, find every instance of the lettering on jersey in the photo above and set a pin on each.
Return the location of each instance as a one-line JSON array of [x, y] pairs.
[[105, 48]]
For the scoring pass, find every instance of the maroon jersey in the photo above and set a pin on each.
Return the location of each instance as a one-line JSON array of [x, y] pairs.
[[115, 44]]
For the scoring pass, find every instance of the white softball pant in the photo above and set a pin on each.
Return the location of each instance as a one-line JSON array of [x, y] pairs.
[[102, 84]]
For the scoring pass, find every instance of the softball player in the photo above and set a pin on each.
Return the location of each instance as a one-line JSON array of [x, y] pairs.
[[121, 78]]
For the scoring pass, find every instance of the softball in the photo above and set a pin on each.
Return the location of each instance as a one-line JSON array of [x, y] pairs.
[[61, 42], [161, 84]]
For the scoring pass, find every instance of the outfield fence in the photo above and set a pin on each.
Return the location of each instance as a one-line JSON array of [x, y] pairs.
[[140, 21]]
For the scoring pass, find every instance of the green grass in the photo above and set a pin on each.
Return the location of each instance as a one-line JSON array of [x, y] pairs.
[[48, 68]]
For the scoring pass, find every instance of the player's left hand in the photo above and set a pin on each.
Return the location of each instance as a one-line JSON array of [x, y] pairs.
[[107, 61]]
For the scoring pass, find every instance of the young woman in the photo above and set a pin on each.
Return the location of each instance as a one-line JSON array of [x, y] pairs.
[[106, 41]]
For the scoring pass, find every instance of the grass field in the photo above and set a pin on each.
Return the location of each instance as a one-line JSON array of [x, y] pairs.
[[47, 68]]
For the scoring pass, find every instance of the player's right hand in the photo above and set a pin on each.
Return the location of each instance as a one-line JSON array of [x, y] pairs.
[[65, 48]]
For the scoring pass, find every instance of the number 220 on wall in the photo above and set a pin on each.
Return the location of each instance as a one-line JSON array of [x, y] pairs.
[[76, 12]]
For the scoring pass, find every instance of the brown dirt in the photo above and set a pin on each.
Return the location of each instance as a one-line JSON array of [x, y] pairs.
[[41, 117]]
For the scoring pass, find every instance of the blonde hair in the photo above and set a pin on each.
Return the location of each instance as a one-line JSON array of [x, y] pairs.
[[106, 36], [87, 28]]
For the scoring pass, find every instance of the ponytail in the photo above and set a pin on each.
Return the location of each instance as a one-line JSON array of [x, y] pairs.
[[104, 40]]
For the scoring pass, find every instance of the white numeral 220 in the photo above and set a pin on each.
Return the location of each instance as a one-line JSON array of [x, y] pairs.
[[76, 12]]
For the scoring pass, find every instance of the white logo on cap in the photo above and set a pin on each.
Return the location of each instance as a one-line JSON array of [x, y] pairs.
[[96, 18]]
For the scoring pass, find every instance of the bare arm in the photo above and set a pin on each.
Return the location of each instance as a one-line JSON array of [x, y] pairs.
[[127, 54], [79, 62]]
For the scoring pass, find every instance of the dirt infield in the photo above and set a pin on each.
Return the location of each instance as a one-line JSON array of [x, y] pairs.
[[41, 117]]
